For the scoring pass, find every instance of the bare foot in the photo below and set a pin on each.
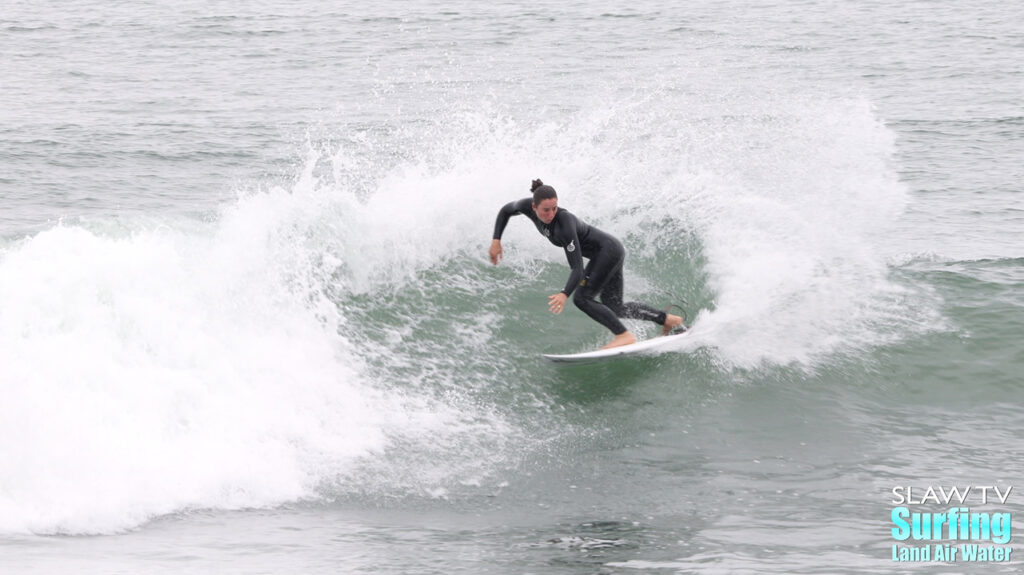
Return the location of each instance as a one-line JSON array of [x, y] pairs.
[[624, 338], [671, 323]]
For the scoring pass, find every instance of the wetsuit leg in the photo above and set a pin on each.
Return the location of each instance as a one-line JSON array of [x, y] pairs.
[[603, 276], [611, 296], [600, 269]]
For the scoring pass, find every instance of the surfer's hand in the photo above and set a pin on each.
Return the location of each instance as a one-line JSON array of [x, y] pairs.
[[556, 303], [495, 251]]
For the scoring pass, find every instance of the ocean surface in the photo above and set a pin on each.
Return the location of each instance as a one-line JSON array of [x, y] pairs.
[[248, 325]]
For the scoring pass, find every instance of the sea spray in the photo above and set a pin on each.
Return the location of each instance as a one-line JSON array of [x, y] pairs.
[[321, 339], [163, 371]]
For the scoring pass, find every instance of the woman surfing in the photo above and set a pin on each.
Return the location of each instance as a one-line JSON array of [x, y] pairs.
[[602, 276]]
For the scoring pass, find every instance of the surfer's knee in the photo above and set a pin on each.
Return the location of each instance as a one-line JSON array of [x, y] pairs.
[[581, 300], [616, 306]]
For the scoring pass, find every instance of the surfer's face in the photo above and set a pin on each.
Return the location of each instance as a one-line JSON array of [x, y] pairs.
[[546, 210]]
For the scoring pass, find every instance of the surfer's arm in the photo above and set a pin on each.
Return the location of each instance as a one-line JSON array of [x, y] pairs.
[[574, 255], [507, 211], [576, 263]]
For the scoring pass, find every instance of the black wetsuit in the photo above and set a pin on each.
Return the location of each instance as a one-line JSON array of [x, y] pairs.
[[602, 275]]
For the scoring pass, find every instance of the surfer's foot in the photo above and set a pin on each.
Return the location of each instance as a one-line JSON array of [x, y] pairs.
[[624, 338], [673, 323]]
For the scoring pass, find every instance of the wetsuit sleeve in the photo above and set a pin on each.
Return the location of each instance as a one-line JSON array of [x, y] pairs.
[[507, 211], [574, 254]]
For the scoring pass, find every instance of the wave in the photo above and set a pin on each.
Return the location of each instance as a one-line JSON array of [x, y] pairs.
[[343, 334], [168, 370]]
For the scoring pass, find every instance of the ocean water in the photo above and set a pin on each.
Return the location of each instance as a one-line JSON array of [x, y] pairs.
[[247, 322]]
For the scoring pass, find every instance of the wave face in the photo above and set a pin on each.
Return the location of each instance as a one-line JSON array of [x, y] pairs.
[[341, 334]]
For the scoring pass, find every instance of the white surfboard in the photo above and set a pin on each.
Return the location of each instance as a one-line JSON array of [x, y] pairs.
[[645, 347]]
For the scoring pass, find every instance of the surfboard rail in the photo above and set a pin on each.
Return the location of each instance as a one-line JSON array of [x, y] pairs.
[[645, 347]]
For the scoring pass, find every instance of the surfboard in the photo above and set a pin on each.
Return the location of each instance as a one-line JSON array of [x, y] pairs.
[[645, 347]]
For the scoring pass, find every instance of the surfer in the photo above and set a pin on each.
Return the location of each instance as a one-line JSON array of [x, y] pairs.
[[602, 275]]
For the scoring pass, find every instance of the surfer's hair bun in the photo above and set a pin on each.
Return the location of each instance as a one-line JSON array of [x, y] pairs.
[[542, 192]]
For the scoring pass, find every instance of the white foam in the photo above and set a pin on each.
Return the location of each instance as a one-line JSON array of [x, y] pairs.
[[792, 228], [142, 375], [168, 370]]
